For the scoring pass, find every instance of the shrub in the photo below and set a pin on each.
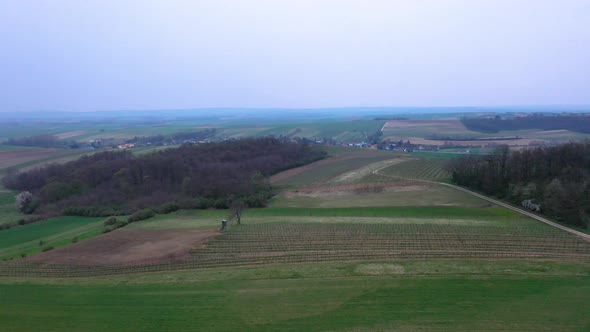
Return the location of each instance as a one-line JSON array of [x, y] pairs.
[[120, 223], [110, 221], [47, 248], [168, 207], [141, 215], [114, 223], [90, 211], [204, 203]]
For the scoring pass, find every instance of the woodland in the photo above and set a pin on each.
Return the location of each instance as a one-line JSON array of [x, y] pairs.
[[210, 175], [555, 177]]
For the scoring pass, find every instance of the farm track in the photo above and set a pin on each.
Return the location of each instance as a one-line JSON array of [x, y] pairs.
[[584, 236]]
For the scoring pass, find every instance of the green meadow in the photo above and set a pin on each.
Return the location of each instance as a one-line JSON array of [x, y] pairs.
[[20, 241], [268, 302]]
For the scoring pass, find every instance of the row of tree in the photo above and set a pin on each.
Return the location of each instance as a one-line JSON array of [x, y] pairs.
[[557, 178], [199, 176], [578, 123]]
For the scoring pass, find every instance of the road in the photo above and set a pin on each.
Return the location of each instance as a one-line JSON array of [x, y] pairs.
[[491, 200]]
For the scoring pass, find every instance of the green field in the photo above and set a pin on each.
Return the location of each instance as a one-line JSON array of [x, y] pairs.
[[360, 297], [342, 131], [8, 213], [55, 232]]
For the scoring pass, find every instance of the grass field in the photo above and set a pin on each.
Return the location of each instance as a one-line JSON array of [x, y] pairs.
[[8, 212], [360, 297], [342, 131], [55, 232]]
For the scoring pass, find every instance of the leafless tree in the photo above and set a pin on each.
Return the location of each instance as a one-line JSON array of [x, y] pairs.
[[236, 208]]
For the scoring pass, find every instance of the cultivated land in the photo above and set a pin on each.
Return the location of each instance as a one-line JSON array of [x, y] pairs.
[[355, 242], [424, 132], [18, 156], [22, 241]]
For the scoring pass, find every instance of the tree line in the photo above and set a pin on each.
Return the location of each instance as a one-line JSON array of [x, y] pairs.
[[192, 176], [554, 180], [578, 123]]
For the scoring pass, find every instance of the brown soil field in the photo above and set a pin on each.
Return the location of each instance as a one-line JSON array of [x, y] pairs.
[[15, 157], [358, 188], [294, 171], [129, 247]]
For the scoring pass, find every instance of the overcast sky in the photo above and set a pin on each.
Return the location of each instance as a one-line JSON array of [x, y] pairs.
[[84, 55]]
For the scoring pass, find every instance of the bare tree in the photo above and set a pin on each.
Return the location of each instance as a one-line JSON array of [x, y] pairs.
[[236, 208]]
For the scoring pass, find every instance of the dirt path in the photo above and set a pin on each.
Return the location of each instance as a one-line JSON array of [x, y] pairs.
[[493, 201]]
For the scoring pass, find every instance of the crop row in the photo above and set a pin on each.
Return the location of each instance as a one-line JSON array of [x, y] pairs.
[[428, 169], [20, 270], [311, 230], [293, 243]]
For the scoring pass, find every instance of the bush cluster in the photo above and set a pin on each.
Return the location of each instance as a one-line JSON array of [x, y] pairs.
[[91, 211], [141, 215]]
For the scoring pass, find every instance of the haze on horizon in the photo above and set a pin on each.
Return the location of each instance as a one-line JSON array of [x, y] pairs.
[[122, 54]]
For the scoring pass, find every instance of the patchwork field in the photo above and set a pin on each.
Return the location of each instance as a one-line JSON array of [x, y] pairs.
[[433, 269], [350, 243], [22, 241], [425, 128], [340, 161], [423, 132]]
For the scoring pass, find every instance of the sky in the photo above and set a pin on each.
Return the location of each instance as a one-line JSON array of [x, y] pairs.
[[171, 54]]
